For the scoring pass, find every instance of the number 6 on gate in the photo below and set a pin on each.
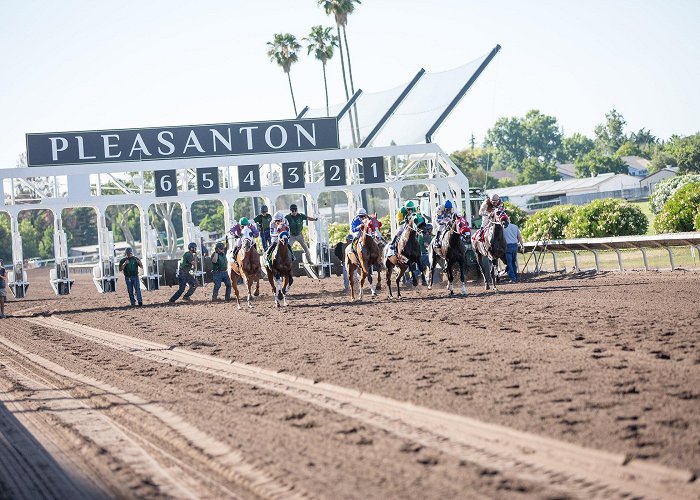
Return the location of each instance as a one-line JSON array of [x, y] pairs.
[[166, 183]]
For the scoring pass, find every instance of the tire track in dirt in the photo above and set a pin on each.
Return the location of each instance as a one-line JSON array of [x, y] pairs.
[[556, 463], [198, 467]]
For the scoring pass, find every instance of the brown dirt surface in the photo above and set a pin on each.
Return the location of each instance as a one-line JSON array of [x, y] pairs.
[[608, 361]]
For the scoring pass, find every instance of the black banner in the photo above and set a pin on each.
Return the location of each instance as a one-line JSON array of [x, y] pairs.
[[166, 143]]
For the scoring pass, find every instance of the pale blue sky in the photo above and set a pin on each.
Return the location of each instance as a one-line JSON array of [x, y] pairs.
[[86, 65]]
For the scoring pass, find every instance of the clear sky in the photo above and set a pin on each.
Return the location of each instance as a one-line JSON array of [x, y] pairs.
[[89, 65]]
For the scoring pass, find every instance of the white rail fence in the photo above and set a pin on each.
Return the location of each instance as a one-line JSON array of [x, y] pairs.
[[535, 252]]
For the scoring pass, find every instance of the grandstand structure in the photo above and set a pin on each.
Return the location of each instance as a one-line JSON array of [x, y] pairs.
[[374, 142]]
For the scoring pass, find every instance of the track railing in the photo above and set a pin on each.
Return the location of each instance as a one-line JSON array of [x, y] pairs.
[[595, 245]]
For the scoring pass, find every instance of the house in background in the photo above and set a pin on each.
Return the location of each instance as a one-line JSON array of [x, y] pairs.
[[566, 171], [650, 181], [636, 165], [503, 174]]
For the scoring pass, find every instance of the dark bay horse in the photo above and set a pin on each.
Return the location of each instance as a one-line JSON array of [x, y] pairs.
[[492, 248], [407, 256], [247, 266], [368, 255], [452, 251], [279, 269]]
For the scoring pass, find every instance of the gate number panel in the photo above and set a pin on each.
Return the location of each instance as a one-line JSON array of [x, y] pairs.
[[166, 183], [208, 180], [334, 172], [373, 170], [248, 178], [293, 175]]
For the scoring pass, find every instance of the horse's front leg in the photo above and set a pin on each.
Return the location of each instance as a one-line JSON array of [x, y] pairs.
[[402, 271], [485, 271], [249, 285], [271, 279], [257, 285], [494, 274], [287, 281], [461, 276], [363, 278], [234, 284], [450, 277], [389, 270], [433, 264]]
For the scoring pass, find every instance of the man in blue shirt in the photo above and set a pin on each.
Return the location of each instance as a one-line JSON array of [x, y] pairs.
[[514, 241]]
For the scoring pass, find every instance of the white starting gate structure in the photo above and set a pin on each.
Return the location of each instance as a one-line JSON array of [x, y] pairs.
[[407, 115]]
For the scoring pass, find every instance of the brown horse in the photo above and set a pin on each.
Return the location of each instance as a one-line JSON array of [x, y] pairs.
[[368, 255], [492, 248], [407, 255], [247, 266], [451, 251], [279, 269]]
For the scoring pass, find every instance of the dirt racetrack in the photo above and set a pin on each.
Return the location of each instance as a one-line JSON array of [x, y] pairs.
[[562, 386]]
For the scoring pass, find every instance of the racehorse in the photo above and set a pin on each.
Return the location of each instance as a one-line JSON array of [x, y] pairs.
[[407, 256], [279, 269], [368, 255], [492, 248], [452, 251], [247, 266]]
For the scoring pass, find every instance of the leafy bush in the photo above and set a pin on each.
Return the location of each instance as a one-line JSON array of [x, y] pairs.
[[665, 189], [517, 215], [607, 217], [337, 232], [696, 222], [553, 219], [386, 227], [680, 211]]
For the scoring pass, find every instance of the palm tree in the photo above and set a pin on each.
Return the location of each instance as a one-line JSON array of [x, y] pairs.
[[322, 44], [284, 50]]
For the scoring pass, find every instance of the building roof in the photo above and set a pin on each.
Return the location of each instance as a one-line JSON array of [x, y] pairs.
[[566, 169], [551, 188], [665, 170], [636, 162], [502, 174]]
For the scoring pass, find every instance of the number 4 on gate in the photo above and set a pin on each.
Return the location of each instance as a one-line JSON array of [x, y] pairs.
[[248, 178]]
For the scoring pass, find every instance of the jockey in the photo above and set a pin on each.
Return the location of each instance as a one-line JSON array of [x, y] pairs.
[[444, 216], [409, 208], [487, 212], [244, 228], [408, 212], [278, 226], [356, 229]]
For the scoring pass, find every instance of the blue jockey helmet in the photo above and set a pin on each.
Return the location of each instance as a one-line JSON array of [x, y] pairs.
[[448, 205]]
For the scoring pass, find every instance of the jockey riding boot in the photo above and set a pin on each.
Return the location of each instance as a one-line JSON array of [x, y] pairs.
[[214, 298]]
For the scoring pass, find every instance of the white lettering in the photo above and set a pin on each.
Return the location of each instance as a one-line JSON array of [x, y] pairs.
[[140, 146], [108, 145], [193, 142], [171, 146], [81, 149], [268, 133], [249, 133], [215, 134], [309, 137], [54, 146]]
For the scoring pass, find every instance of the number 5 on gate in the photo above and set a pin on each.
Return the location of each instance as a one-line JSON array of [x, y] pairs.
[[208, 180]]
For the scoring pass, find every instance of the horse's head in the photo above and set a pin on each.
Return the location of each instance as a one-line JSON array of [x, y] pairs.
[[247, 243], [284, 238], [500, 216], [462, 226]]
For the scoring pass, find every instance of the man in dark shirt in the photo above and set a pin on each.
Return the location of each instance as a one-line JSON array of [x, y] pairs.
[[184, 278], [219, 269], [130, 266], [296, 224], [263, 220]]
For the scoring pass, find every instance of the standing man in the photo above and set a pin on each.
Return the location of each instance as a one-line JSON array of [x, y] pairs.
[[219, 268], [129, 265], [424, 239], [296, 224], [263, 220], [514, 241], [3, 290], [184, 278]]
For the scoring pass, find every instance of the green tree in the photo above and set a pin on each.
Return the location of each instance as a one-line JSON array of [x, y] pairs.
[[686, 152], [515, 139], [595, 163], [680, 210], [284, 50], [5, 239], [80, 225], [607, 217], [660, 159], [516, 214], [340, 10], [322, 43], [609, 136], [629, 148], [549, 221], [665, 189], [576, 146], [535, 170]]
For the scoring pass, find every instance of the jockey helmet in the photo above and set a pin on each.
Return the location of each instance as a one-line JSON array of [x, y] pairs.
[[361, 212], [349, 238], [410, 205], [448, 205], [428, 228], [292, 207], [129, 251], [263, 209], [278, 216], [495, 198], [244, 221], [220, 246], [192, 246], [419, 220]]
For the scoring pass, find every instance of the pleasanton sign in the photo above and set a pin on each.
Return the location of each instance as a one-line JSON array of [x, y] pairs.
[[165, 143]]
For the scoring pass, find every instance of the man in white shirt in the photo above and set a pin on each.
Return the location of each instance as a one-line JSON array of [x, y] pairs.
[[514, 241]]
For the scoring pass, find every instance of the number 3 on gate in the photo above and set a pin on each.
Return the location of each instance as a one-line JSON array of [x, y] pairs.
[[166, 183], [293, 175]]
